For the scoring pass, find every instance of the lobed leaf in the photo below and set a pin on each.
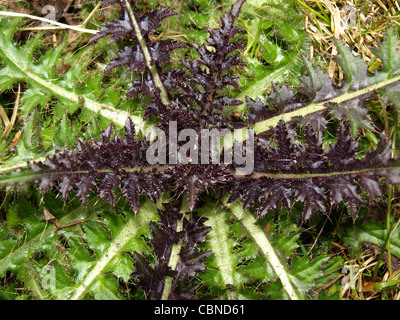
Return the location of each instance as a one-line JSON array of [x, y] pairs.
[[165, 234], [291, 164]]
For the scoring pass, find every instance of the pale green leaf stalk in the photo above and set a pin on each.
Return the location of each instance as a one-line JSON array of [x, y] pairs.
[[219, 241], [320, 106], [264, 244], [20, 68], [119, 243], [173, 261], [152, 68]]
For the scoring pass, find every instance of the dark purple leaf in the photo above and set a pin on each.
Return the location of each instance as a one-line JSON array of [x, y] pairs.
[[151, 278]]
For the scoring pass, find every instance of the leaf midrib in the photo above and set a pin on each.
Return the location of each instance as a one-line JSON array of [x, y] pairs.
[[255, 175], [117, 116], [116, 246], [272, 122]]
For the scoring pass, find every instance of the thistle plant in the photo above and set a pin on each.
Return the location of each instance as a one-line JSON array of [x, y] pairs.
[[182, 201]]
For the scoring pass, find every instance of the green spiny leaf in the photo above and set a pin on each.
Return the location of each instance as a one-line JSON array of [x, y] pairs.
[[64, 138], [40, 76], [108, 254], [222, 270], [374, 233]]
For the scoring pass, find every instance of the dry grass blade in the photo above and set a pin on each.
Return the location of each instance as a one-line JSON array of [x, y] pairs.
[[361, 285], [4, 116], [359, 24], [57, 24], [10, 125], [80, 27]]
